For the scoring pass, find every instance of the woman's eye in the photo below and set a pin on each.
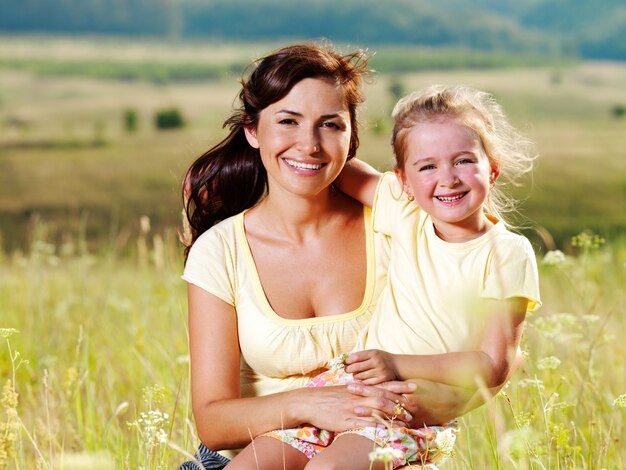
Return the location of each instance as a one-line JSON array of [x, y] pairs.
[[287, 121], [330, 124]]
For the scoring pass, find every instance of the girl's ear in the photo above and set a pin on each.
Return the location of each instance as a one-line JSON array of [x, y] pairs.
[[495, 173], [251, 136], [402, 180]]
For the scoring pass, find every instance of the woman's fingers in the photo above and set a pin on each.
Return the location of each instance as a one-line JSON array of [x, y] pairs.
[[380, 402], [399, 386]]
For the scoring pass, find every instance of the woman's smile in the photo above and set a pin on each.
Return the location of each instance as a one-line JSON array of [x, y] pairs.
[[304, 147]]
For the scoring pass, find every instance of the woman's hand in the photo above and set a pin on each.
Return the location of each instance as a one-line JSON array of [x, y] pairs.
[[339, 408], [428, 403], [382, 401]]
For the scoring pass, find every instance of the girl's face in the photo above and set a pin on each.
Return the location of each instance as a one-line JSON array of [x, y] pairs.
[[304, 138], [447, 171]]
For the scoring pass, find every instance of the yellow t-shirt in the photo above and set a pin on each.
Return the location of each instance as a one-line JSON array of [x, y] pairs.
[[277, 354], [431, 303]]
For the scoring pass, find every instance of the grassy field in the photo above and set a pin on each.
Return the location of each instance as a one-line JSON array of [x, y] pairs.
[[93, 346], [94, 365], [65, 156]]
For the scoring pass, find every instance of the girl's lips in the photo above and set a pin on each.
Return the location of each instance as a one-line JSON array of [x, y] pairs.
[[451, 199]]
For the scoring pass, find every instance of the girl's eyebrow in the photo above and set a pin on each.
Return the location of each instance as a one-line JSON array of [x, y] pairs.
[[423, 160]]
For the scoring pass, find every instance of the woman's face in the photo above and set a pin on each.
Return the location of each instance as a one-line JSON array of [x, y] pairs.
[[304, 138]]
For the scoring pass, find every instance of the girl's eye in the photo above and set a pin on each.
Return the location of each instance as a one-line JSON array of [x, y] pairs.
[[426, 167], [465, 161]]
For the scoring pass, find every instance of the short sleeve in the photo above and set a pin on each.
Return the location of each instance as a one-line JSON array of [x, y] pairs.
[[512, 272], [211, 265], [389, 203]]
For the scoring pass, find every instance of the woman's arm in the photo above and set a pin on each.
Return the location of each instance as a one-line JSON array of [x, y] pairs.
[[359, 181], [225, 420]]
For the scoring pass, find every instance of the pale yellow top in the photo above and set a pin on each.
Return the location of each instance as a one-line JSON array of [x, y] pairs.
[[277, 354], [432, 301]]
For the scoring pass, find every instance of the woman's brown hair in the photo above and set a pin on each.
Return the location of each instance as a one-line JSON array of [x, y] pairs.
[[229, 178]]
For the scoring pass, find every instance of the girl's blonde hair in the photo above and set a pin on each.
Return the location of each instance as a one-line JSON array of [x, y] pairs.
[[506, 148]]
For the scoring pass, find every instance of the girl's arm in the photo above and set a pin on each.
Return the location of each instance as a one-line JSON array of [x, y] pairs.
[[488, 367], [225, 420], [359, 181]]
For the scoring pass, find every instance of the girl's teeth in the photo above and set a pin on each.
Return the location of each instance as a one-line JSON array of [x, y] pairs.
[[450, 199], [304, 166]]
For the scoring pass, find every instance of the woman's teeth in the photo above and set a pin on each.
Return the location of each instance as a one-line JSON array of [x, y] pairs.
[[304, 166]]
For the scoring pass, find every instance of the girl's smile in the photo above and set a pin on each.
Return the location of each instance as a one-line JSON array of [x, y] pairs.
[[449, 174]]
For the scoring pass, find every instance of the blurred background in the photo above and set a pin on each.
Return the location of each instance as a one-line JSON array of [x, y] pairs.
[[104, 103]]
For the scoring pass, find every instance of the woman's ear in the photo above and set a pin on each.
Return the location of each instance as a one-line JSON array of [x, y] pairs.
[[251, 136]]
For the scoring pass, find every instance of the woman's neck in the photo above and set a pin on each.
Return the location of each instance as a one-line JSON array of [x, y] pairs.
[[296, 218]]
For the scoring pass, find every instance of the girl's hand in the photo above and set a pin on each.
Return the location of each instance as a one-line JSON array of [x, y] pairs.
[[372, 366]]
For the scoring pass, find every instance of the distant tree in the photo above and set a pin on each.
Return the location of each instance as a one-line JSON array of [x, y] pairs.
[[131, 119], [169, 118], [618, 111], [396, 88]]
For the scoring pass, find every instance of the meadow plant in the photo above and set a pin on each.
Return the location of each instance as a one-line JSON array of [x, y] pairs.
[[562, 409], [103, 327]]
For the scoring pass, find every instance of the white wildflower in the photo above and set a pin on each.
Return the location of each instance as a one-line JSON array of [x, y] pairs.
[[550, 362], [620, 402], [553, 257], [385, 454], [518, 442], [338, 362], [591, 318], [182, 359], [526, 383], [445, 441], [561, 405], [6, 332]]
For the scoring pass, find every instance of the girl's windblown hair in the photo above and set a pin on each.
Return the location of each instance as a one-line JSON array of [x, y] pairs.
[[504, 145]]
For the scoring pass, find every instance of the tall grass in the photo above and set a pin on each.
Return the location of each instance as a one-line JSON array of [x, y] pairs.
[[94, 365], [96, 351]]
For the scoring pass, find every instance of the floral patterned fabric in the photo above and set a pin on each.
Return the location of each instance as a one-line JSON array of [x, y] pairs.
[[426, 445]]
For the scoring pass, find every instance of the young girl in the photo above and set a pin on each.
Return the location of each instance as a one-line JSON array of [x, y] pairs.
[[459, 284]]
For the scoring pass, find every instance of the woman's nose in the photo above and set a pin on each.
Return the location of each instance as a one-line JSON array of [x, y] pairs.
[[308, 141]]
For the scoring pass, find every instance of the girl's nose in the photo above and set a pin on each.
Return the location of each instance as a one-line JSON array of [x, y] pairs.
[[448, 178]]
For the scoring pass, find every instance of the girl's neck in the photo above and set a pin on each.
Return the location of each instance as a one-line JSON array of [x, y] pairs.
[[463, 231]]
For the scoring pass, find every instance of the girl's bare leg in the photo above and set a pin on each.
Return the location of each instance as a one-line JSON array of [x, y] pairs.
[[266, 453], [347, 452]]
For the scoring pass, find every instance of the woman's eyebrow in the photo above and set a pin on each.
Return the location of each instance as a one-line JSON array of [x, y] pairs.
[[296, 113]]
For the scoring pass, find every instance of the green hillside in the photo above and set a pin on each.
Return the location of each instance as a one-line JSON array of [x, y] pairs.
[[594, 29]]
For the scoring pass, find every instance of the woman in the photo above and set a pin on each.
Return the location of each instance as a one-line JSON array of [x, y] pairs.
[[284, 270]]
